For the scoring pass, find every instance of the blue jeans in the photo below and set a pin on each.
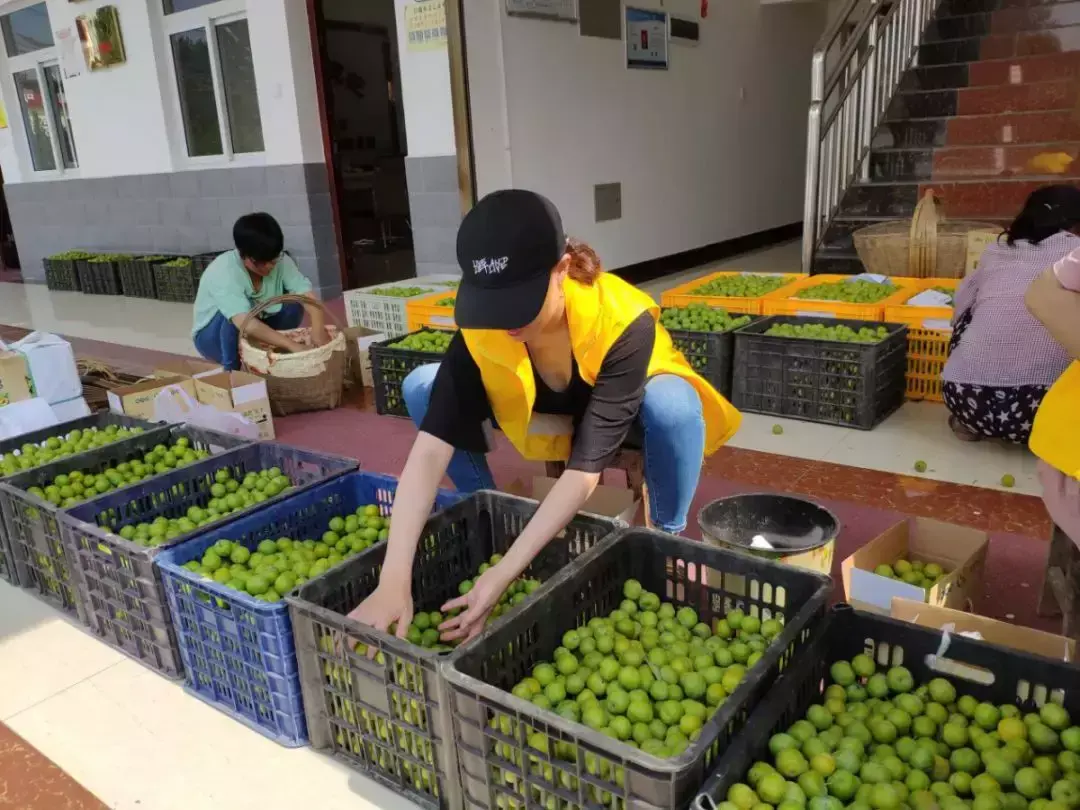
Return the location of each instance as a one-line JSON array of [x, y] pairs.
[[674, 450], [219, 340]]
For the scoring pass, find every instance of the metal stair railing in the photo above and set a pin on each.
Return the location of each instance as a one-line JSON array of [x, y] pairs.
[[857, 67]]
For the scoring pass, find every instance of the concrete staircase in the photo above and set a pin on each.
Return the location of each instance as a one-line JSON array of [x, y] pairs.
[[996, 91]]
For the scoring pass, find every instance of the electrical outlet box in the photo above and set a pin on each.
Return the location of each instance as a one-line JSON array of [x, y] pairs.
[[608, 201]]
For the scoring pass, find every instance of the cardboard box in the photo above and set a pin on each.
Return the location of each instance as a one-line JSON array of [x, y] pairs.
[[612, 502], [358, 339], [991, 630], [138, 400], [15, 383], [960, 551], [187, 368], [238, 392]]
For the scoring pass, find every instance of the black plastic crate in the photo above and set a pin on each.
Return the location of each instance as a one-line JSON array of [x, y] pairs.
[[1019, 679], [493, 726], [850, 384], [203, 260], [99, 277], [137, 275], [389, 368], [33, 525], [60, 275], [122, 589], [710, 354], [8, 572], [177, 283], [390, 719]]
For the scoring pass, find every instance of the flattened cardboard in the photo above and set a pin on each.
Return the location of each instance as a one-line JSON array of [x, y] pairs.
[[959, 550], [992, 631], [138, 400], [613, 502], [187, 368], [14, 379], [238, 392]]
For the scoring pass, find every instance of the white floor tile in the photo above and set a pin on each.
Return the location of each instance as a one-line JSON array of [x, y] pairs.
[[159, 325], [41, 653]]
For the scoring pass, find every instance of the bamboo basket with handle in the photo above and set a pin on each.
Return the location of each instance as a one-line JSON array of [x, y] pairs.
[[927, 246], [312, 380]]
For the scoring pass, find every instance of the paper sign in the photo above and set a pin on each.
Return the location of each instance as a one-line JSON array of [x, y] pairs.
[[69, 50], [565, 10], [425, 25]]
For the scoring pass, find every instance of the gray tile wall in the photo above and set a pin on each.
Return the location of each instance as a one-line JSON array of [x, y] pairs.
[[185, 212], [435, 209]]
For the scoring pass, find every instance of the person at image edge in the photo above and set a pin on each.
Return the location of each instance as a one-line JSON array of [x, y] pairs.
[[569, 362]]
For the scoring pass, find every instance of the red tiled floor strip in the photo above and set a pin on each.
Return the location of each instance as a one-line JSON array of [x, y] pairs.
[[31, 781]]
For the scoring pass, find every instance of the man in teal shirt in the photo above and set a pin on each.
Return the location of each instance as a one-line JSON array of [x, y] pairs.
[[238, 280]]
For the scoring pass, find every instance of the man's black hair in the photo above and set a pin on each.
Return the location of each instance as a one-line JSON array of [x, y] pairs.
[[258, 237]]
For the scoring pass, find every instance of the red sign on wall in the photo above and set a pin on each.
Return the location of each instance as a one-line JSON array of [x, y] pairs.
[[704, 9]]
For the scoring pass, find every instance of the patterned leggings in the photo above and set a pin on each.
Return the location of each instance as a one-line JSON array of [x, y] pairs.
[[1005, 413]]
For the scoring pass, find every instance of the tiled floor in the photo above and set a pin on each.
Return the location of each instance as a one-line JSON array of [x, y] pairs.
[[917, 432], [118, 729]]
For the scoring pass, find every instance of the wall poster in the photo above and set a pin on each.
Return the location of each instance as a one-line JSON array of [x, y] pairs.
[[564, 10], [425, 25]]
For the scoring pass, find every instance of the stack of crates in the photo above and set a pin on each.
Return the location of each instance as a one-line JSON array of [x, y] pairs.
[[388, 313], [929, 333]]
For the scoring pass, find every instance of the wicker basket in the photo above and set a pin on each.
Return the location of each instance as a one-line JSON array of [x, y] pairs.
[[305, 381], [927, 246]]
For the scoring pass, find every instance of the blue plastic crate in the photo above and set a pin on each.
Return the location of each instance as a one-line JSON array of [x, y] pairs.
[[238, 652], [33, 525], [121, 589]]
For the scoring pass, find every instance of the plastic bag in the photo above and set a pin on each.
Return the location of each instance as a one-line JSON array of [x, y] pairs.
[[175, 405]]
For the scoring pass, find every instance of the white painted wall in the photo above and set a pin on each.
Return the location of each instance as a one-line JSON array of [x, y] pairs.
[[425, 90], [125, 118], [710, 150]]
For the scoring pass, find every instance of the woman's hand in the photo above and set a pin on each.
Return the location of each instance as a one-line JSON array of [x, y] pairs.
[[390, 604], [319, 337], [477, 604]]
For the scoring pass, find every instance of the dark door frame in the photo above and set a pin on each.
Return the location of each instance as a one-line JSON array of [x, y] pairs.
[[459, 91]]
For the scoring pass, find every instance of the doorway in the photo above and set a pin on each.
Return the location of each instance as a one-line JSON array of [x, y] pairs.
[[364, 126]]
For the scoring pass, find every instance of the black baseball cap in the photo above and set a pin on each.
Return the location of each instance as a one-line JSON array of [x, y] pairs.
[[507, 246]]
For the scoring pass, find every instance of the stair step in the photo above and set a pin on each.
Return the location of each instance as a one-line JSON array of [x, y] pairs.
[[993, 73], [840, 264], [955, 8], [1004, 21], [970, 162], [1000, 46], [998, 199], [980, 130], [1033, 97]]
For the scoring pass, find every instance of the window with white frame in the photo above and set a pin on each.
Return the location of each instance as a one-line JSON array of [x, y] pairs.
[[214, 76], [39, 88]]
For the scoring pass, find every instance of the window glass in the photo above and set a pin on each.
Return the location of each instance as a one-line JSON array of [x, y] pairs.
[[238, 78], [26, 30], [32, 104], [195, 83]]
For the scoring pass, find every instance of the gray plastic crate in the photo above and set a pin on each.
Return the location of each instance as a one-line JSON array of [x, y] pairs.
[[33, 525], [122, 590], [389, 719], [8, 571], [584, 768]]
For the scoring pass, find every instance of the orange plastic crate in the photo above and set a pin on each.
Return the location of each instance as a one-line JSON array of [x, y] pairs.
[[425, 312], [923, 317], [683, 294], [927, 351], [928, 339], [782, 303]]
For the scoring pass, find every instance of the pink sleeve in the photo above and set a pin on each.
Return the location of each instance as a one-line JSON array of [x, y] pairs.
[[1067, 270]]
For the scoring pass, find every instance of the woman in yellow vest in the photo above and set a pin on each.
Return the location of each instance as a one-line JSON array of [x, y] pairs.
[[569, 362], [1054, 299]]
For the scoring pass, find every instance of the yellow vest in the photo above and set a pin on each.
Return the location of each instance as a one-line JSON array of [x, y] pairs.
[[1055, 437], [597, 314]]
